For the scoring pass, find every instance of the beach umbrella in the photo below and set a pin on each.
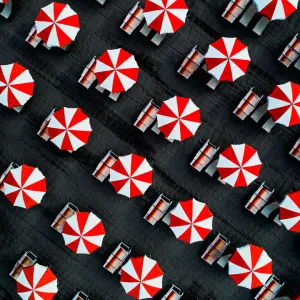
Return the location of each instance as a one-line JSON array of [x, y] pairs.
[[289, 211], [116, 70], [227, 59], [165, 16], [284, 104], [16, 85], [25, 186], [250, 266], [36, 283], [141, 277], [191, 221], [83, 232], [57, 24], [3, 1], [178, 118], [276, 9], [239, 165], [131, 175], [69, 128]]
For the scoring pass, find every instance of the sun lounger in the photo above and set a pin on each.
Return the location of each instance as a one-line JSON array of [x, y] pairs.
[[88, 77], [80, 296], [145, 30], [291, 52], [261, 25], [204, 156], [270, 289], [158, 38], [103, 169], [248, 15], [133, 19], [259, 199], [12, 165], [268, 125], [174, 293], [7, 10], [223, 260], [259, 113], [271, 211], [102, 2], [28, 259], [191, 63], [147, 117], [295, 152], [234, 9], [247, 105], [158, 209], [212, 168], [215, 249], [297, 64], [32, 38], [117, 258], [213, 83], [43, 131], [114, 96], [68, 211]]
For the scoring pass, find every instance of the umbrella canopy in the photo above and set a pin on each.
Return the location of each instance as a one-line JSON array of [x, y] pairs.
[[36, 283], [284, 104], [116, 70], [16, 85], [239, 165], [227, 59], [165, 16], [69, 128], [289, 211], [191, 221], [250, 266], [3, 1], [178, 118], [25, 186], [57, 24], [83, 232], [131, 175], [276, 9], [141, 277]]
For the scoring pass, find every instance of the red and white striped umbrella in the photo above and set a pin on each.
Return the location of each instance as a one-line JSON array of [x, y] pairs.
[[227, 59], [239, 165], [57, 24], [25, 186], [83, 232], [276, 9], [69, 128], [16, 85], [131, 175], [116, 70], [141, 277], [3, 1], [165, 16], [284, 104], [289, 211], [191, 221], [36, 283], [178, 118], [250, 266]]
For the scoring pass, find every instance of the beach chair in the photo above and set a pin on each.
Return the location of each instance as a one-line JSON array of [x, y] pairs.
[[248, 15], [158, 209], [191, 63], [147, 117], [103, 169], [268, 125], [12, 165], [212, 168], [7, 10], [80, 296], [117, 258], [297, 64], [68, 211], [213, 83], [259, 199], [295, 152], [261, 25], [43, 131], [204, 156], [215, 250], [247, 105], [88, 77], [234, 9], [259, 113], [174, 293], [271, 211], [28, 259], [133, 19], [102, 2], [270, 289], [158, 38], [32, 38], [291, 52]]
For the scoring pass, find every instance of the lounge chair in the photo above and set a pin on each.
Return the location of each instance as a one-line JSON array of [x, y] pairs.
[[248, 15], [204, 156], [117, 258], [68, 211], [174, 293], [43, 131], [212, 168], [103, 169], [295, 152], [291, 52], [88, 77], [271, 211], [133, 19], [12, 165], [81, 296], [268, 125], [145, 30], [297, 64], [191, 63], [247, 105], [259, 113], [213, 83], [32, 38], [7, 10], [234, 9], [102, 2], [261, 25], [270, 289], [158, 209], [215, 250], [259, 199], [157, 38], [28, 259]]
